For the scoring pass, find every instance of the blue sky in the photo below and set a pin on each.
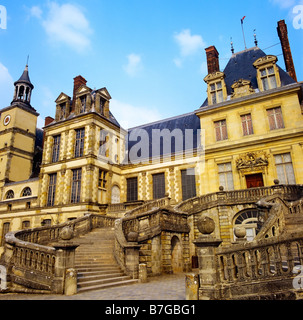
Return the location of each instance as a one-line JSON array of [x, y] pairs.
[[149, 54]]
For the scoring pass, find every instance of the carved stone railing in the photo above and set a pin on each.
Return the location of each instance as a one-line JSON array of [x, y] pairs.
[[260, 268], [149, 205], [287, 192], [134, 229], [38, 259], [263, 268]]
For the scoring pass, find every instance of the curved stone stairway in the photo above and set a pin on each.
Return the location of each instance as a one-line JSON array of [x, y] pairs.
[[95, 263]]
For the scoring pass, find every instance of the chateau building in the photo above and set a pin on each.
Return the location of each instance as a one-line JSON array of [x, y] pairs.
[[246, 134]]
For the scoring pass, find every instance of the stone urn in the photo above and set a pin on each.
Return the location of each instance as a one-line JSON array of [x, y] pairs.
[[67, 233], [206, 225], [133, 237]]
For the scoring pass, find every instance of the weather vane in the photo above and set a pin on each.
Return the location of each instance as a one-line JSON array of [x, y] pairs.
[[242, 24]]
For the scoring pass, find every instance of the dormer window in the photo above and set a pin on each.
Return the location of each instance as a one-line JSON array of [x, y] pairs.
[[268, 78], [83, 104], [62, 114], [268, 75], [216, 92], [216, 88]]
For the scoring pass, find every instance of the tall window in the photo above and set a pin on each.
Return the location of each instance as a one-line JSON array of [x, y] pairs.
[[268, 78], [79, 144], [62, 114], [247, 125], [216, 92], [56, 149], [188, 184], [226, 176], [104, 138], [132, 189], [5, 230], [82, 104], [285, 169], [76, 186], [102, 179], [275, 118], [52, 190], [221, 130], [159, 185]]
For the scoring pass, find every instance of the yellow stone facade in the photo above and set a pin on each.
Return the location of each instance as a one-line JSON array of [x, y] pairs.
[[236, 161]]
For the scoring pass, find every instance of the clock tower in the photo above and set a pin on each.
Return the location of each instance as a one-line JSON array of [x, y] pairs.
[[18, 133]]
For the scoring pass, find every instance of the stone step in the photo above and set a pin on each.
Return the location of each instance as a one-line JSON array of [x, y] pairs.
[[88, 278], [103, 281], [83, 274], [79, 264], [107, 285], [95, 262], [98, 268]]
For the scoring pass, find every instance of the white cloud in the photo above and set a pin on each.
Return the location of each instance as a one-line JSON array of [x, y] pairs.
[[36, 12], [6, 86], [65, 24], [134, 65], [284, 4], [188, 44], [130, 116]]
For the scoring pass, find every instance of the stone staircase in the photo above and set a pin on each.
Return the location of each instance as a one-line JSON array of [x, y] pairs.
[[95, 262]]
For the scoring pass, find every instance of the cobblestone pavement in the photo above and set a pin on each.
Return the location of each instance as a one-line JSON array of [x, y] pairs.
[[166, 287]]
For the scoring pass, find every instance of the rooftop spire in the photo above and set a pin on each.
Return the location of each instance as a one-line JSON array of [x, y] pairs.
[[23, 89], [232, 46], [255, 37]]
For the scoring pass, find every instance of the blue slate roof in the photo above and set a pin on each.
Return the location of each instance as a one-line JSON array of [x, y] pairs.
[[25, 78], [185, 124], [240, 66]]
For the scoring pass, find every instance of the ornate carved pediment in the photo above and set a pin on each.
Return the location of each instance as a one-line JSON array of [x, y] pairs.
[[242, 88], [264, 60], [252, 161], [214, 76]]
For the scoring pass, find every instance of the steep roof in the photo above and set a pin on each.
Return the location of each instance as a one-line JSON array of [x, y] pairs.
[[240, 66], [25, 78], [186, 124]]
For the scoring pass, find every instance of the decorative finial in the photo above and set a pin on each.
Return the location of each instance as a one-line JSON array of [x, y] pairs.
[[27, 60], [255, 36], [232, 46]]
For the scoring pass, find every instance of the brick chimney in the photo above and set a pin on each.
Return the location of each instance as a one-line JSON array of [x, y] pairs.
[[212, 56], [78, 82], [48, 120], [283, 35]]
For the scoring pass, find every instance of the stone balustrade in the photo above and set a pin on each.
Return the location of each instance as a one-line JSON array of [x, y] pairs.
[[287, 192], [259, 268], [264, 268], [36, 260]]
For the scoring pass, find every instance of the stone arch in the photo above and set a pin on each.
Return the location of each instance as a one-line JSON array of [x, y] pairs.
[[176, 255], [250, 219], [116, 194]]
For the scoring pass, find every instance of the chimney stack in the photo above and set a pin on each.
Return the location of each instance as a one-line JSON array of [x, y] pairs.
[[78, 82], [283, 35], [212, 59]]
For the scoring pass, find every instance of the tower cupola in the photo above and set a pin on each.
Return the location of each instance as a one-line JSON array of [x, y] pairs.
[[23, 89]]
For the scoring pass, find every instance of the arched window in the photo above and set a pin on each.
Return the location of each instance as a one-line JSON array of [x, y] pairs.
[[251, 220], [26, 192], [10, 194], [21, 92]]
